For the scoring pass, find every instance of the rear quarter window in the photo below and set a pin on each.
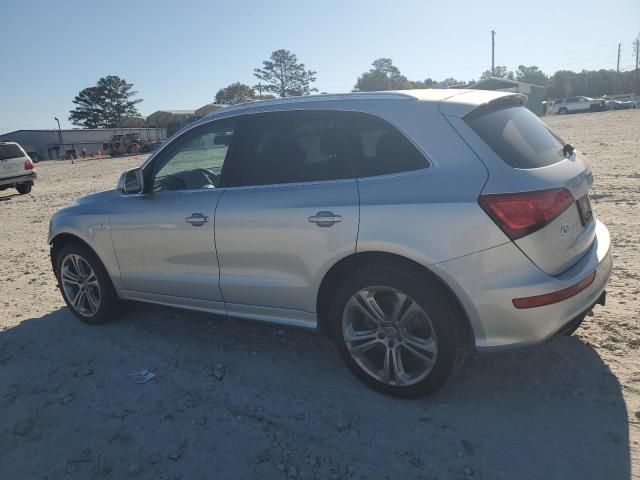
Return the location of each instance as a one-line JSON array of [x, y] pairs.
[[381, 149], [518, 137]]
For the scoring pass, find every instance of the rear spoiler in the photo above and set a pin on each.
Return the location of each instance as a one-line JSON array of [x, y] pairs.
[[500, 103]]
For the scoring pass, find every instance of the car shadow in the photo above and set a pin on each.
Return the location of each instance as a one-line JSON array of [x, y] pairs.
[[4, 198], [236, 399]]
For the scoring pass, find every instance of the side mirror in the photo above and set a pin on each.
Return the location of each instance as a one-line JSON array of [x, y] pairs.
[[568, 150], [131, 181]]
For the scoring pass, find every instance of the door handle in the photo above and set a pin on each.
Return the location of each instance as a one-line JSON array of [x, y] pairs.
[[325, 219], [197, 219]]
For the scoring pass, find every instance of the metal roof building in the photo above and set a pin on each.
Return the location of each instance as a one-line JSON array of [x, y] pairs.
[[54, 144], [535, 93]]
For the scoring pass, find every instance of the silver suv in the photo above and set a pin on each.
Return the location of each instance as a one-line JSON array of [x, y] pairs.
[[412, 227]]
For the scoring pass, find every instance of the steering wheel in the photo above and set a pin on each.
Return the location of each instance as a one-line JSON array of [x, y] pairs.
[[211, 177]]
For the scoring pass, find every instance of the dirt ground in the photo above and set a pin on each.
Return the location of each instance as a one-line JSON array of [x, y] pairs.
[[236, 399]]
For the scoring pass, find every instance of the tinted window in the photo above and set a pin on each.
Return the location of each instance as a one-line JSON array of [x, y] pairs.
[[381, 149], [195, 160], [518, 137], [10, 151], [289, 147]]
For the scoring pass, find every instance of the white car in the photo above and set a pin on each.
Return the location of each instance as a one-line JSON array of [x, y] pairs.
[[16, 168], [578, 104]]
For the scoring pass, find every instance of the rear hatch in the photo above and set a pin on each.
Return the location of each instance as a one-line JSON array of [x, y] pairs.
[[537, 191], [12, 160]]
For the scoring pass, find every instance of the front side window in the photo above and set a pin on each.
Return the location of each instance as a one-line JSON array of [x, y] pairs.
[[381, 149], [291, 147], [196, 160]]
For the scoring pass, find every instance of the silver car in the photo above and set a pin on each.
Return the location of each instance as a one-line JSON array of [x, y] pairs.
[[412, 227]]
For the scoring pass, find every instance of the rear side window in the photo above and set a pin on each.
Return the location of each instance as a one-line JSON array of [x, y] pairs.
[[380, 149], [10, 151], [518, 137], [291, 147]]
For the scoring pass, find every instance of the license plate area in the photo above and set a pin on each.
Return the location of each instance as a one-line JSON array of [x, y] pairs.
[[584, 208]]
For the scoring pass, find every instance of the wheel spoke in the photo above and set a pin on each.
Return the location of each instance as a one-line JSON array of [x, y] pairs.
[[77, 301], [69, 277], [363, 347], [422, 344], [400, 306], [366, 302], [351, 335], [412, 310], [92, 279], [76, 265], [92, 301], [386, 368], [398, 367], [418, 354]]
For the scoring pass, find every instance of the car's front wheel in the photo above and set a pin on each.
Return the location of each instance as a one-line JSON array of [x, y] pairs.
[[85, 284], [397, 330]]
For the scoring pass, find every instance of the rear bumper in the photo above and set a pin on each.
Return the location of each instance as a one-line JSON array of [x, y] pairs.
[[487, 282], [30, 177]]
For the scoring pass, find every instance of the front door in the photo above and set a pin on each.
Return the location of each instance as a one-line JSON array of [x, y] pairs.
[[164, 238], [289, 213]]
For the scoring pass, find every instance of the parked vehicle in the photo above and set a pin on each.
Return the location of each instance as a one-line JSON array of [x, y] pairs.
[[413, 227], [16, 168], [622, 104], [578, 105], [125, 144]]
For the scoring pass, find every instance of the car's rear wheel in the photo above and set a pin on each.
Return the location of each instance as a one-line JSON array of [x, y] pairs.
[[24, 188], [85, 284], [398, 331]]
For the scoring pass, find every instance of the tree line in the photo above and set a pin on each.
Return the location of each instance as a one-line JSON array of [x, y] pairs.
[[112, 100]]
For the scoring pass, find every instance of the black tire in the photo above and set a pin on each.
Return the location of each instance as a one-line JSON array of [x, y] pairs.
[[563, 111], [109, 304], [442, 310], [24, 188]]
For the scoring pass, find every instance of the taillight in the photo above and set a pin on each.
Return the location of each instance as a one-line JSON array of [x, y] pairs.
[[519, 214], [29, 165]]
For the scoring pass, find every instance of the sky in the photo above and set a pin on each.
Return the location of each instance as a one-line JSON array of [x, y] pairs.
[[179, 53]]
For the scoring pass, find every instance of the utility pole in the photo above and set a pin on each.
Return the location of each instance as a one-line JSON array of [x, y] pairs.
[[618, 66], [493, 51], [64, 153], [637, 51]]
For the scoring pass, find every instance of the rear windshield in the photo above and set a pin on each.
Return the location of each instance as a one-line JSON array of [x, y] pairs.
[[518, 137], [10, 151]]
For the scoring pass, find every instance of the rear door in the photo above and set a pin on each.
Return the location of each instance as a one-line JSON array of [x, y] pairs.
[[12, 160], [289, 213], [523, 155]]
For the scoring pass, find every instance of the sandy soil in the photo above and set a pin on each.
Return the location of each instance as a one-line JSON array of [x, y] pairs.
[[236, 399]]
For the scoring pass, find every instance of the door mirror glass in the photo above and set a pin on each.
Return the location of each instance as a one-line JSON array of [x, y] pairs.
[[131, 182]]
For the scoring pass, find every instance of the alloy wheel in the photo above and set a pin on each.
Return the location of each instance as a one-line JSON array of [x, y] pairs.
[[80, 285], [389, 335]]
